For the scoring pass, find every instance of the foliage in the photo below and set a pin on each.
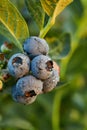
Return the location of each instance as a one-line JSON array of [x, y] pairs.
[[64, 27]]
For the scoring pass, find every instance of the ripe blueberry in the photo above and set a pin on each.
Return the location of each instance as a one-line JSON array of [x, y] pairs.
[[27, 89], [22, 99], [34, 46], [41, 67], [50, 83], [19, 65]]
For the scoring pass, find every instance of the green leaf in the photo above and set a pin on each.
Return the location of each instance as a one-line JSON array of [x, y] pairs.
[[54, 7], [12, 24], [60, 47], [18, 123], [49, 6], [78, 61], [77, 9], [60, 6], [2, 39], [84, 2], [36, 11], [62, 84]]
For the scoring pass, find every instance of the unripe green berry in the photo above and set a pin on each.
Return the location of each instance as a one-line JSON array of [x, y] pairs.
[[6, 47]]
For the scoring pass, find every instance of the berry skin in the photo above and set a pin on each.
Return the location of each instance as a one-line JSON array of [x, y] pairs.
[[41, 67], [34, 46], [56, 67], [22, 99], [19, 65], [50, 83], [27, 89]]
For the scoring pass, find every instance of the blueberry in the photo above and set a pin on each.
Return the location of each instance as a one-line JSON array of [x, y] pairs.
[[34, 46], [50, 83], [19, 65], [27, 89], [41, 67], [22, 99]]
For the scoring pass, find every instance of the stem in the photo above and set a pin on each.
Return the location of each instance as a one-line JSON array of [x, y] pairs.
[[56, 110], [44, 31]]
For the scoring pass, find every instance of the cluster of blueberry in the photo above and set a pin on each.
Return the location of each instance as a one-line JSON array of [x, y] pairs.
[[35, 72]]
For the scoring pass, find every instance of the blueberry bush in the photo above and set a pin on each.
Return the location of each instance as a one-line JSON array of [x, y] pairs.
[[63, 25]]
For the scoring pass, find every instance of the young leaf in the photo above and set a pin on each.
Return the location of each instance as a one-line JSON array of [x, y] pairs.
[[49, 6], [54, 7], [61, 47], [12, 24], [36, 11], [60, 6]]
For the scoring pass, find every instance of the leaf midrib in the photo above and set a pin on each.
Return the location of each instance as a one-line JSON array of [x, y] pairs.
[[11, 33]]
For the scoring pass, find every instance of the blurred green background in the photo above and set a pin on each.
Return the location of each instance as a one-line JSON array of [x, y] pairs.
[[65, 108]]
